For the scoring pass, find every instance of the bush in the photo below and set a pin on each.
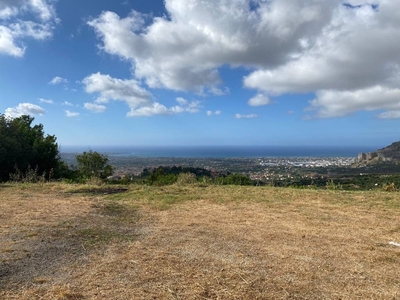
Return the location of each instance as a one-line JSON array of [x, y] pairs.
[[331, 185], [186, 178], [30, 176], [233, 179], [159, 177], [389, 187]]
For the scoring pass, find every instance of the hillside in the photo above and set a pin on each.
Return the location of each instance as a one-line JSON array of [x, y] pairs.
[[392, 151], [388, 154], [197, 242]]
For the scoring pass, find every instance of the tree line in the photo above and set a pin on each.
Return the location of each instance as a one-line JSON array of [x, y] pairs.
[[27, 154]]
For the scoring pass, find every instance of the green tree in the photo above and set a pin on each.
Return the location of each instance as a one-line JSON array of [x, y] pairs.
[[24, 146], [161, 176], [93, 164]]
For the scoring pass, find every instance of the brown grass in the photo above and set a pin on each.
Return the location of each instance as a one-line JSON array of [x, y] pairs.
[[197, 242]]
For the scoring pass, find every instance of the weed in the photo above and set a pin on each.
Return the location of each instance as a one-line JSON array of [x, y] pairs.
[[186, 178], [389, 187]]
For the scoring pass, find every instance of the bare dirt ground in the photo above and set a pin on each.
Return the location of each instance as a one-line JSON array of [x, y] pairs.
[[197, 242]]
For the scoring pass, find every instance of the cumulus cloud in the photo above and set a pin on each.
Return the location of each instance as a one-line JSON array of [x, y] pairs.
[[66, 103], [138, 99], [250, 116], [182, 101], [259, 100], [184, 51], [47, 101], [58, 80], [31, 29], [211, 113], [42, 8], [8, 12], [71, 114], [7, 43], [147, 111], [331, 103], [347, 55], [21, 19], [110, 88], [192, 107], [93, 107], [160, 109], [288, 46], [24, 109]]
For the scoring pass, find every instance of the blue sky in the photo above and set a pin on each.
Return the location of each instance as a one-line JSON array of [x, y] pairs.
[[210, 72]]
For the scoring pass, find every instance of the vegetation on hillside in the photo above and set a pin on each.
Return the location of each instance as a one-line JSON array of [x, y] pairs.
[[93, 164], [25, 149], [392, 151], [26, 154]]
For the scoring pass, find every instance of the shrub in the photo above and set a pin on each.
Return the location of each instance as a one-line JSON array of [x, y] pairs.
[[389, 187], [233, 179], [159, 177], [93, 164], [331, 185], [186, 178], [30, 176]]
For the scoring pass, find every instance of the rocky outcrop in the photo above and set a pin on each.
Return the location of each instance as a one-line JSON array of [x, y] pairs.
[[387, 154]]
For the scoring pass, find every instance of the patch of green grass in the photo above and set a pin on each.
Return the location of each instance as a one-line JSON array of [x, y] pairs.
[[158, 197]]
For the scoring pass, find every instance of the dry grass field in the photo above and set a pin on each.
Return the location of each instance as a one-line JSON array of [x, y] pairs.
[[60, 241]]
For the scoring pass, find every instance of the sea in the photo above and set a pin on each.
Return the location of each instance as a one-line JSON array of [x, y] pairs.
[[222, 151]]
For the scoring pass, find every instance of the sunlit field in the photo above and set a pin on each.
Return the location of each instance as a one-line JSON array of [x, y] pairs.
[[64, 241]]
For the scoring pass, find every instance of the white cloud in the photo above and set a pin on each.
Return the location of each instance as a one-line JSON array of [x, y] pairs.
[[8, 12], [259, 100], [147, 111], [47, 101], [31, 29], [210, 113], [185, 51], [71, 114], [110, 88], [66, 103], [193, 107], [96, 108], [43, 9], [7, 43], [309, 46], [21, 19], [137, 98], [159, 109], [182, 101], [219, 92], [24, 109], [394, 114], [333, 103], [250, 116], [58, 80]]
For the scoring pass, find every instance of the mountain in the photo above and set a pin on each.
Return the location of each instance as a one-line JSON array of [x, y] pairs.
[[389, 153]]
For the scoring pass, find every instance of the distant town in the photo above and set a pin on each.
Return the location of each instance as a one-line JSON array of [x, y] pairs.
[[276, 171]]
